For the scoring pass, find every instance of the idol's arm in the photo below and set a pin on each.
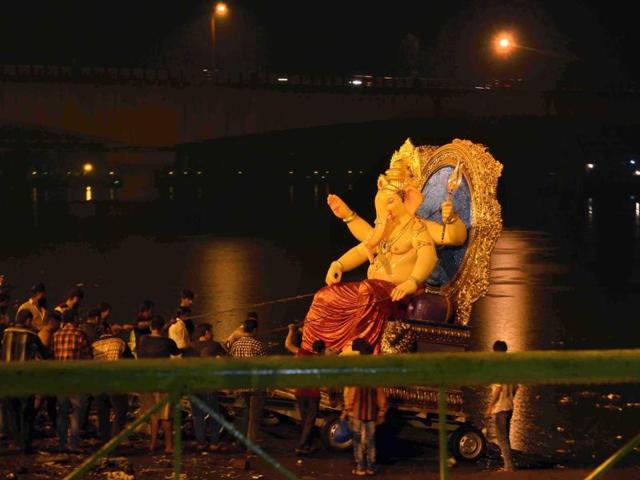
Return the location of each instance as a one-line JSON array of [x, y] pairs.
[[455, 231], [427, 258], [352, 259], [358, 227]]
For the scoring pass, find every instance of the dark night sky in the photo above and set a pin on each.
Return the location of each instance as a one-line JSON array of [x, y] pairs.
[[344, 37]]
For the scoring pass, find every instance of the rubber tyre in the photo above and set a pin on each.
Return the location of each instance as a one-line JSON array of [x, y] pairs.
[[467, 444], [328, 435]]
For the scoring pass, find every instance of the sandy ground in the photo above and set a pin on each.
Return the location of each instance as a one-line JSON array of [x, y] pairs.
[[407, 457]]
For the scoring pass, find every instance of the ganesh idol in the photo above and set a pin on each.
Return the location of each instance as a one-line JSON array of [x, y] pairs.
[[401, 252]]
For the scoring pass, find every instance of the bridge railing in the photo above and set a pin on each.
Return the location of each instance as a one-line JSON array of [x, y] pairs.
[[192, 376], [179, 77], [176, 77]]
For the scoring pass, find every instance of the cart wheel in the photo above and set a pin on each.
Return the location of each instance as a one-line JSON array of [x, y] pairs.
[[328, 435], [467, 443]]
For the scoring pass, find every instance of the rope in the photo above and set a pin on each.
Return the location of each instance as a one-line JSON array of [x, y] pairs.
[[271, 302], [254, 305]]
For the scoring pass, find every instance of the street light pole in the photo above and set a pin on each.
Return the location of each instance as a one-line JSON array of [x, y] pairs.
[[214, 63], [220, 10]]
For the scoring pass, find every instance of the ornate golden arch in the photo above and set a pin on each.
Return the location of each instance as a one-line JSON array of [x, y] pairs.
[[481, 171]]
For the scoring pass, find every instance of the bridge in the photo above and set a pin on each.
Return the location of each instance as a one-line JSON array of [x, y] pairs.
[[136, 117], [160, 108]]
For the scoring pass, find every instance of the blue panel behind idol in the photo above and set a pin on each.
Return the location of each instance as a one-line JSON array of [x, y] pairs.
[[435, 192]]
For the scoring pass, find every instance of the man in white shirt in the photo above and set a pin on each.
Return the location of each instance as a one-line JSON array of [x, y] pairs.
[[36, 305], [178, 330], [501, 409]]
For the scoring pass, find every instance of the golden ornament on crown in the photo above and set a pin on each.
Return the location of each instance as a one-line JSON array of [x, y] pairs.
[[404, 170]]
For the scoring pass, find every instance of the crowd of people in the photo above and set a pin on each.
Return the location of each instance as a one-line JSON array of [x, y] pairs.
[[36, 333]]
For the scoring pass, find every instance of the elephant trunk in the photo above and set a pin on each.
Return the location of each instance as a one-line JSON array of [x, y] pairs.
[[377, 235]]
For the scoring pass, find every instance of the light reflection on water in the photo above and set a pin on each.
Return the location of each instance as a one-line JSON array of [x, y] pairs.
[[506, 315], [537, 300], [228, 280], [528, 282]]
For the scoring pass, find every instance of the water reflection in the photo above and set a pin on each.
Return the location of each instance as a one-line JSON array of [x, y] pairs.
[[521, 265], [88, 194], [540, 295], [536, 302], [522, 276], [506, 313], [227, 271]]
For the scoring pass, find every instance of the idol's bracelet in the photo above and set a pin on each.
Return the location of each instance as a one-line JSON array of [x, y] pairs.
[[452, 219], [350, 218], [415, 280]]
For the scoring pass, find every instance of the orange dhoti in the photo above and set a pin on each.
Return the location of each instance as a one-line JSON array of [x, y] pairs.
[[345, 311]]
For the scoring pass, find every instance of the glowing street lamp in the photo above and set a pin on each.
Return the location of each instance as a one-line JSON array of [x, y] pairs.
[[87, 168], [504, 44], [221, 9]]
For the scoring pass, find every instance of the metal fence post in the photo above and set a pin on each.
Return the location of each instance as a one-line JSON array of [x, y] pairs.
[[250, 445], [613, 459], [442, 433]]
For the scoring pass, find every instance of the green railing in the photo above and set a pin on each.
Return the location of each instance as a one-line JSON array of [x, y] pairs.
[[441, 370]]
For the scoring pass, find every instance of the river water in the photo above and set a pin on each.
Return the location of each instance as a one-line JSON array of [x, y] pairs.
[[563, 276]]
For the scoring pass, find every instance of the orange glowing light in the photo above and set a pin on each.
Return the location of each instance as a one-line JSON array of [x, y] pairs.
[[221, 9], [504, 43], [87, 168]]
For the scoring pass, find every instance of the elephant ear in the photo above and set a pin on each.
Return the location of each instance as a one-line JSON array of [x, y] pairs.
[[412, 199]]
